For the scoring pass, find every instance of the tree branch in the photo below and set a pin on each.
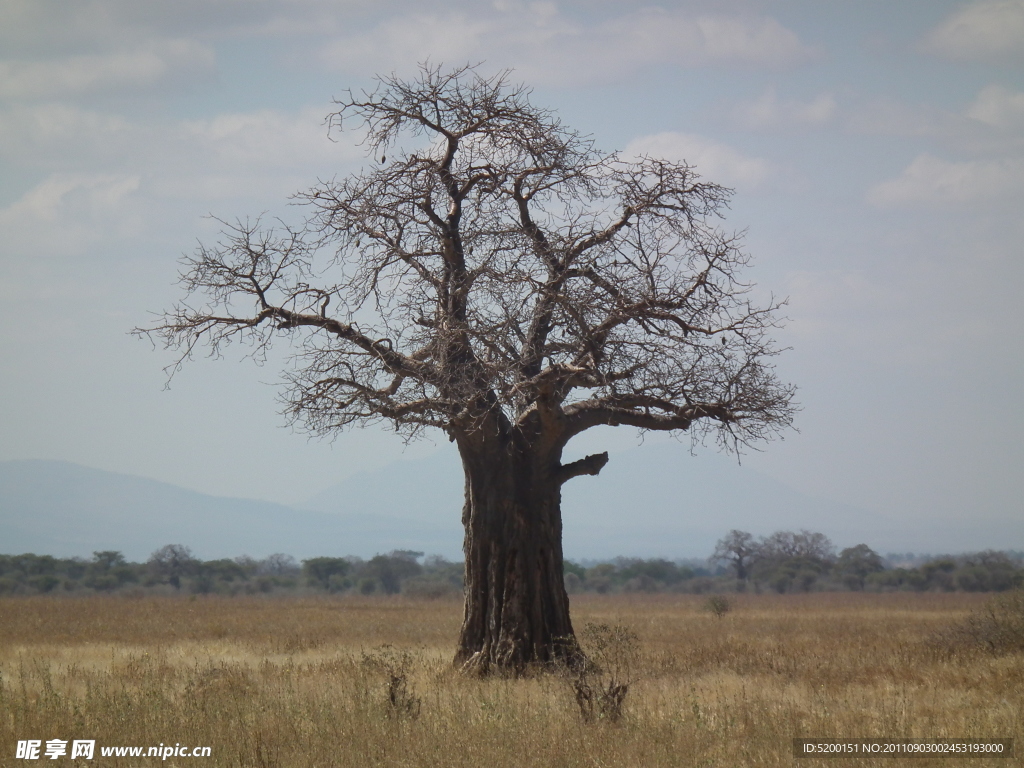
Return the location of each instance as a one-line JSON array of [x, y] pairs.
[[591, 465], [499, 268]]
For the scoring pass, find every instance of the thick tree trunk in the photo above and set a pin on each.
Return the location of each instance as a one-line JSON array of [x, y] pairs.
[[517, 610]]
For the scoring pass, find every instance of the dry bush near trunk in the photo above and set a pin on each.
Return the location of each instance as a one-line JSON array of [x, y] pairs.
[[396, 666], [601, 681]]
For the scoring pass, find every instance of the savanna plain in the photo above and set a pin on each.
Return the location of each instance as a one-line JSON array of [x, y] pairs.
[[359, 681]]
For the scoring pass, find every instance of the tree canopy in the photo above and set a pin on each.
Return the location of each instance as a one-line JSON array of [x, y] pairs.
[[491, 263]]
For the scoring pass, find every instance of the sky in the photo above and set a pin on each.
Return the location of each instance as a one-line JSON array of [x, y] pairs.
[[876, 150]]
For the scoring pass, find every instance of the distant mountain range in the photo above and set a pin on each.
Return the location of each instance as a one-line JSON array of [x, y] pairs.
[[655, 500], [58, 508]]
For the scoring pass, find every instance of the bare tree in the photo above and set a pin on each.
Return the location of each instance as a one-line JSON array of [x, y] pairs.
[[494, 276], [171, 562], [279, 564], [785, 559], [806, 545], [738, 548]]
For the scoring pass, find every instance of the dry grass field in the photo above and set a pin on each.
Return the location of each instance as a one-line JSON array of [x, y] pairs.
[[305, 682]]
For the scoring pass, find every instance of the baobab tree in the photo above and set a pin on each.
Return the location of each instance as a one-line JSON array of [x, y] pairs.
[[738, 548], [494, 276]]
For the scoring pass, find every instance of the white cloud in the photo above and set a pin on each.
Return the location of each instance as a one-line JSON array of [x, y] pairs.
[[62, 195], [266, 149], [46, 27], [897, 315], [999, 107], [990, 126], [832, 304], [893, 118], [408, 40], [107, 180], [990, 30], [50, 134], [85, 74], [730, 39], [268, 154], [768, 111], [70, 213], [546, 46], [988, 131], [931, 180], [267, 138], [713, 160]]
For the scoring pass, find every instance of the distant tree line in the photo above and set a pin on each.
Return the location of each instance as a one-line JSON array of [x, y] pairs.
[[783, 562], [173, 569], [805, 561]]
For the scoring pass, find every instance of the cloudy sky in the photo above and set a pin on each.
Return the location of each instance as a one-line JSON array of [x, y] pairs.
[[876, 150]]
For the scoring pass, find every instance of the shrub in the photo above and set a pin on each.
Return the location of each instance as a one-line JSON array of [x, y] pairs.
[[601, 681], [395, 665], [718, 605], [997, 628]]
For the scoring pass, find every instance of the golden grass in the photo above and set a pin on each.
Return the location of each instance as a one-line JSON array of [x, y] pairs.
[[284, 682]]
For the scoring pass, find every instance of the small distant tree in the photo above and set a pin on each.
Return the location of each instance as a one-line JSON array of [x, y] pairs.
[[320, 570], [108, 570], [392, 569], [171, 562], [804, 545], [212, 573], [104, 561], [279, 564], [786, 559], [939, 574], [855, 564], [406, 554], [988, 571], [738, 549], [649, 575], [494, 276]]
